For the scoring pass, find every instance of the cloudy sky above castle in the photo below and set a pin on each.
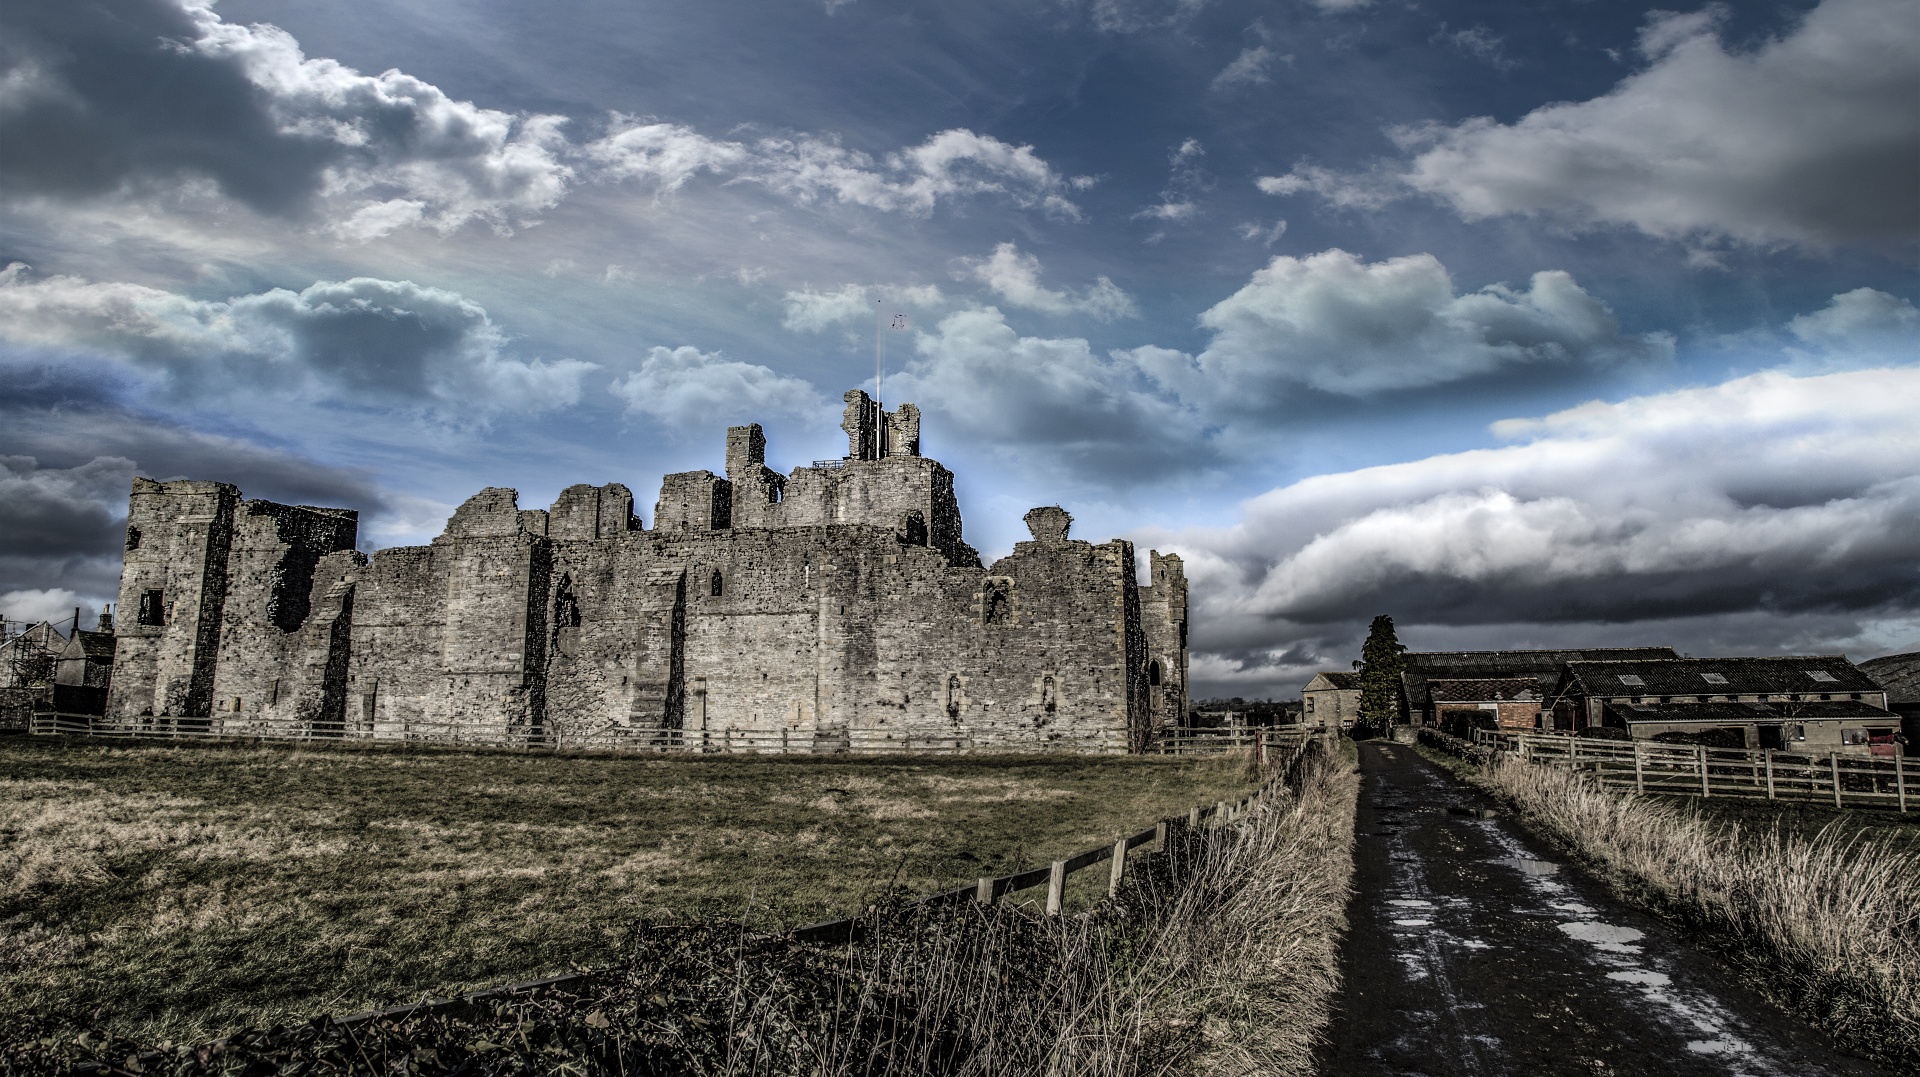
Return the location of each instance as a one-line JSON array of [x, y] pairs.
[[1531, 324]]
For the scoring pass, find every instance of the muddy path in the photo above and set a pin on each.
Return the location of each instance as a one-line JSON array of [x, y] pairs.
[[1476, 950]]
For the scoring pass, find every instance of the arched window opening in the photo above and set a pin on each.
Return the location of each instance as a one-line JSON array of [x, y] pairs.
[[133, 538], [717, 586], [1153, 673], [953, 696], [153, 607], [1047, 701]]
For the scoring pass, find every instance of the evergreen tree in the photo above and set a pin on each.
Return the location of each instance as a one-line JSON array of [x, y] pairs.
[[1380, 666]]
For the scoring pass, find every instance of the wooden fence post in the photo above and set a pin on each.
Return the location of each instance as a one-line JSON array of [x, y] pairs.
[[1769, 754], [1160, 834], [1056, 887], [1193, 816], [1639, 770], [1700, 755], [1900, 779], [1119, 867], [1220, 814], [1833, 761], [983, 891]]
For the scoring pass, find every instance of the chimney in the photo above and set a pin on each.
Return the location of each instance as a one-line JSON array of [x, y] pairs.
[[106, 619]]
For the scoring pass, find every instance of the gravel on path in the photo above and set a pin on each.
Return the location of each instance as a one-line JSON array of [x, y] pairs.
[[1474, 950]]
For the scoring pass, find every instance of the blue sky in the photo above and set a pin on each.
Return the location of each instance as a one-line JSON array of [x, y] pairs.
[[1530, 324]]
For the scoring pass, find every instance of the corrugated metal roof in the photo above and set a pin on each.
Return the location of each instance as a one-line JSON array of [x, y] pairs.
[[1721, 713], [1789, 675]]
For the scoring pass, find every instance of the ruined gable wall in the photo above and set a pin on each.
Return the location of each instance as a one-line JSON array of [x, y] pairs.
[[271, 566], [455, 632], [614, 665], [178, 534], [1163, 619]]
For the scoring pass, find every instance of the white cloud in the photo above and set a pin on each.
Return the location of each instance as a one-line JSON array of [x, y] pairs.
[[405, 153], [363, 338], [952, 164], [1186, 180], [810, 311], [1809, 139], [1334, 323], [1015, 278], [53, 605], [1481, 43], [1247, 69], [1862, 324], [1052, 404], [1767, 497], [687, 388]]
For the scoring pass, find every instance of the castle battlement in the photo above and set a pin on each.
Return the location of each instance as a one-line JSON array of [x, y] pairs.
[[834, 608]]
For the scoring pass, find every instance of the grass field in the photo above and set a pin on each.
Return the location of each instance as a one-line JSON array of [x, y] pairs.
[[186, 890], [1755, 816]]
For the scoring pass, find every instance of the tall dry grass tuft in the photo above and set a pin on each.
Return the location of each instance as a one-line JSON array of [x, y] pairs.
[[1838, 917]]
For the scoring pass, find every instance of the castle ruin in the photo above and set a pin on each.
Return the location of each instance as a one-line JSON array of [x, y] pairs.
[[836, 608]]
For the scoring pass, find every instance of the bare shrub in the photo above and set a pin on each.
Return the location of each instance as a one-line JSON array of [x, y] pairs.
[[1839, 915]]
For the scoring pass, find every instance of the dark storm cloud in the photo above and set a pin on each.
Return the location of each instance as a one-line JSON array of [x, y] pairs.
[[369, 339], [1768, 498], [68, 456], [147, 95]]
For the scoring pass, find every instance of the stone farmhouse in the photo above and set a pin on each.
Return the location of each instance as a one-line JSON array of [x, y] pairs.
[[1331, 699], [833, 608]]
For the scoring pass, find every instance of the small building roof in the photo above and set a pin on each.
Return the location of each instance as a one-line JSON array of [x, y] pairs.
[[1485, 690], [1789, 675], [1543, 666], [1839, 710], [1899, 674], [1340, 681], [85, 644]]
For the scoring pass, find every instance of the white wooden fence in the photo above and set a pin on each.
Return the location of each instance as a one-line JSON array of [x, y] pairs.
[[1842, 780]]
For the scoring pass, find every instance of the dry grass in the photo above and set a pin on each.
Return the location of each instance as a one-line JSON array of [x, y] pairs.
[[1218, 957], [1836, 914], [187, 890]]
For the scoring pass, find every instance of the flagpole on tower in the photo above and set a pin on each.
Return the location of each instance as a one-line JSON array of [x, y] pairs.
[[879, 347]]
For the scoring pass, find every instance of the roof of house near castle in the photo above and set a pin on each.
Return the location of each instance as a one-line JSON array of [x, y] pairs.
[[1737, 713], [1789, 675], [1485, 690], [1542, 666], [1344, 682]]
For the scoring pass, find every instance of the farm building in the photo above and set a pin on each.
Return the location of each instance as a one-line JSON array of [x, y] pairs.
[[1809, 703], [1331, 700], [1463, 704], [1541, 667]]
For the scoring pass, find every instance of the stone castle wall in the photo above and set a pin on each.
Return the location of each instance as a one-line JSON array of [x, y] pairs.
[[834, 608]]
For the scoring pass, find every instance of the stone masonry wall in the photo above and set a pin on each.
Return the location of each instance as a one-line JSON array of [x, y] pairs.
[[835, 609]]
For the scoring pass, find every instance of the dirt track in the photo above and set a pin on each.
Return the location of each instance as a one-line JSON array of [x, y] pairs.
[[1474, 951]]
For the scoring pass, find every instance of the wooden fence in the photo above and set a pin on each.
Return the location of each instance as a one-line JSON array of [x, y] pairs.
[[467, 734], [1844, 781]]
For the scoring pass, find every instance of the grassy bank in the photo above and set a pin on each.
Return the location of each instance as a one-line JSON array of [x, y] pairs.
[[186, 890], [1218, 957], [1825, 914]]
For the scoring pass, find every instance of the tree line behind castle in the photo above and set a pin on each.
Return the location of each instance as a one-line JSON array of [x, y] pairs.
[[836, 607]]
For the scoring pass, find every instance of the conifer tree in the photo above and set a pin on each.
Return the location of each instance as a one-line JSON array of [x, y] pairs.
[[1380, 666]]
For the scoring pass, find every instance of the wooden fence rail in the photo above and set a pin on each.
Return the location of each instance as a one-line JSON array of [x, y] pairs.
[[468, 734], [1845, 781]]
